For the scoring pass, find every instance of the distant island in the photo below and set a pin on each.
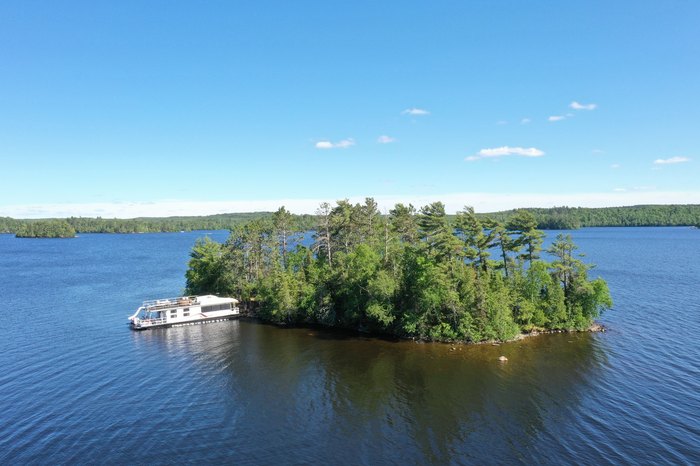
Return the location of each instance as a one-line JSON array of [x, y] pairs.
[[412, 273], [555, 218]]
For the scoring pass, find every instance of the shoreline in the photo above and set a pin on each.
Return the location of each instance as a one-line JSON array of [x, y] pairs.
[[341, 332]]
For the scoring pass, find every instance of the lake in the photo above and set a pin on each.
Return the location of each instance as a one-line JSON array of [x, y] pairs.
[[78, 386]]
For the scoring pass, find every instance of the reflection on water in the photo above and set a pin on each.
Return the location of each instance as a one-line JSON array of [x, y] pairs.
[[427, 402]]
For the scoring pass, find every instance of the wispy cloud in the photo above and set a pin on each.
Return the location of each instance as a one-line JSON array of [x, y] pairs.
[[556, 118], [502, 122], [505, 150], [415, 111], [597, 151], [384, 139], [579, 106], [525, 121], [342, 144], [671, 160], [615, 166]]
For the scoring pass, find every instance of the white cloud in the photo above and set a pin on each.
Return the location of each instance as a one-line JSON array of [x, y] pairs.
[[598, 151], [415, 111], [342, 144], [505, 150], [578, 106], [556, 118], [525, 121], [345, 143], [615, 165], [620, 190], [482, 202], [384, 139], [671, 160], [502, 122]]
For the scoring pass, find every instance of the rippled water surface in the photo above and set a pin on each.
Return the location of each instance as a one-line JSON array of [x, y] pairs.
[[77, 386]]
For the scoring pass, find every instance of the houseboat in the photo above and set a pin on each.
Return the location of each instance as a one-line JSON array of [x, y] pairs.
[[183, 310]]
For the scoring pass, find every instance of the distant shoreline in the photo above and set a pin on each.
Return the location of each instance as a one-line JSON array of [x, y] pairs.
[[554, 218]]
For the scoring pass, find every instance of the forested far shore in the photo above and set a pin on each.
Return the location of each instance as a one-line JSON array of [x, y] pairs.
[[411, 273], [46, 229], [144, 224], [571, 218], [555, 218]]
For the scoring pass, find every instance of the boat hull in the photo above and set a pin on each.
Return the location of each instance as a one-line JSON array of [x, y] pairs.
[[204, 320]]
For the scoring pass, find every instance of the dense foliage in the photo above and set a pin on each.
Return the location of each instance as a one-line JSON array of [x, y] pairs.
[[155, 224], [46, 229], [9, 225], [410, 273], [568, 218]]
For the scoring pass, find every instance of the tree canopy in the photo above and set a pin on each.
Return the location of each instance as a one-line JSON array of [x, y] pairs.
[[411, 273]]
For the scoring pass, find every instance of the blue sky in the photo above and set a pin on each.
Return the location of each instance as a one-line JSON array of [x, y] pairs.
[[164, 108]]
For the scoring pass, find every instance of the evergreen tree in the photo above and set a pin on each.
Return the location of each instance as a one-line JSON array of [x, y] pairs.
[[525, 225], [283, 229]]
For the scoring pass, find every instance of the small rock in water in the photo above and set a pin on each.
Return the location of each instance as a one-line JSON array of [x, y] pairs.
[[503, 359]]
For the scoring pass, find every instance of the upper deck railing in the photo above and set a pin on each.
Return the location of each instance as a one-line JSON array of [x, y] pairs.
[[169, 302]]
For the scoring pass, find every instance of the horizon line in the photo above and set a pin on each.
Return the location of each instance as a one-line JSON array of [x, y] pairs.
[[482, 203]]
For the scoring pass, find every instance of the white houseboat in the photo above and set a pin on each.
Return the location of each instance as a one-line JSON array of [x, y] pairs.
[[183, 310]]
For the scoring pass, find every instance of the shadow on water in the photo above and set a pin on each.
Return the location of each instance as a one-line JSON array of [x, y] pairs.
[[318, 391]]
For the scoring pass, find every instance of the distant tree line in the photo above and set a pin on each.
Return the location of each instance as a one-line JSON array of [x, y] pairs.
[[411, 273], [150, 224], [571, 218], [556, 218], [46, 229]]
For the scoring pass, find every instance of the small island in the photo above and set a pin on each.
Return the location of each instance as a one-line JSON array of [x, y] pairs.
[[416, 274], [46, 229]]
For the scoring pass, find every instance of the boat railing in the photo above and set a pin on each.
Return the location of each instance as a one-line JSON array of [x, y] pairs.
[[169, 302], [151, 322]]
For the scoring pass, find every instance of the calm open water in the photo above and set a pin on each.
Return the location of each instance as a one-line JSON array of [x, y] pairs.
[[78, 387]]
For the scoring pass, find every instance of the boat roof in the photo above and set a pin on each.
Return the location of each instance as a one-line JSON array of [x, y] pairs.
[[213, 299]]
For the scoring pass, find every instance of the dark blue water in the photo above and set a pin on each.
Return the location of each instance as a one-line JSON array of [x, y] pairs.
[[77, 386]]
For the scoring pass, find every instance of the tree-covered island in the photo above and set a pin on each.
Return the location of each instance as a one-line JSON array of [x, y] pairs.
[[411, 273]]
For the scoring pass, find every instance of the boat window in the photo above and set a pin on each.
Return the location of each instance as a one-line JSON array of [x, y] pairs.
[[217, 307], [186, 312], [173, 312]]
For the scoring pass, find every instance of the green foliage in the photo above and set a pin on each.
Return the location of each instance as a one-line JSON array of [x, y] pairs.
[[46, 229], [570, 218], [160, 225], [411, 274], [207, 269]]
